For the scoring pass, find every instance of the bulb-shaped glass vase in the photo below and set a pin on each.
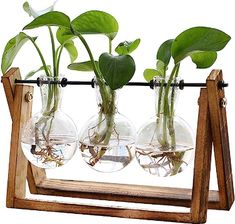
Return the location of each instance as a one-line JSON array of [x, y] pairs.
[[49, 138], [164, 144], [106, 140]]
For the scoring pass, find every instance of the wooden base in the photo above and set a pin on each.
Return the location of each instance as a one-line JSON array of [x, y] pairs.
[[211, 129], [123, 192]]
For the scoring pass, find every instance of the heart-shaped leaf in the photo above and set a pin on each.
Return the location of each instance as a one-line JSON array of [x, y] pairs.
[[150, 73], [12, 48], [198, 39], [85, 66], [164, 52], [116, 70], [204, 59], [96, 22], [50, 19], [127, 47]]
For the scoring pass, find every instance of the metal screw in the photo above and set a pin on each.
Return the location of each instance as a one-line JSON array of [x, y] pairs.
[[28, 97], [223, 102]]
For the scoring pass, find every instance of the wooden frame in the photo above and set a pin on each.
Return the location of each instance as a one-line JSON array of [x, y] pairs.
[[211, 129]]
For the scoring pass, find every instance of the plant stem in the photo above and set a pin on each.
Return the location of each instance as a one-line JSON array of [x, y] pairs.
[[90, 55], [60, 49], [159, 110], [110, 46], [160, 94], [41, 57], [107, 105], [166, 111], [109, 118], [168, 86], [53, 51], [173, 92], [104, 92]]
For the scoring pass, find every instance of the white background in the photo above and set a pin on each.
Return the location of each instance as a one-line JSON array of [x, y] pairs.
[[153, 21]]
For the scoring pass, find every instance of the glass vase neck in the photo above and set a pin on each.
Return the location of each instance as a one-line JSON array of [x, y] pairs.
[[107, 98], [166, 95], [51, 95]]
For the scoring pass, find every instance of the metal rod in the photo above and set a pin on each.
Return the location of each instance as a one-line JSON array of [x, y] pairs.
[[64, 82]]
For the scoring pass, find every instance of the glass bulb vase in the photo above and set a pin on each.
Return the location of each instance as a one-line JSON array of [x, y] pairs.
[[107, 139], [164, 144], [49, 138]]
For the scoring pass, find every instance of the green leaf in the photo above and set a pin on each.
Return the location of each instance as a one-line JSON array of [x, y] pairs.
[[85, 66], [96, 22], [164, 52], [161, 67], [32, 73], [127, 47], [12, 48], [204, 59], [50, 19], [72, 50], [64, 35], [149, 74], [116, 70], [198, 39]]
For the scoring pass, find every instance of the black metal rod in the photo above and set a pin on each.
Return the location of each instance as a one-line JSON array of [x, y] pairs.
[[138, 84], [53, 82], [194, 84], [64, 82]]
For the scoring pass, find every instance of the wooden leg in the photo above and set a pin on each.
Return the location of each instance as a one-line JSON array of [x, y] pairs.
[[8, 81], [17, 162], [202, 165], [220, 138], [35, 175]]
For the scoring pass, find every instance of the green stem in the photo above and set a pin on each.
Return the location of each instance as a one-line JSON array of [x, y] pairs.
[[60, 49], [160, 94], [41, 57], [166, 110], [107, 105], [90, 55], [168, 86], [171, 128], [110, 46], [53, 51], [103, 90], [164, 140], [173, 92], [109, 118]]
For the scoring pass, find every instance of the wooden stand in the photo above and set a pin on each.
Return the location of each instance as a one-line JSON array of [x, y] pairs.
[[211, 129]]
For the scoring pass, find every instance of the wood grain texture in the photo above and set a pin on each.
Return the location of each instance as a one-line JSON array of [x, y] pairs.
[[31, 181], [35, 175], [38, 174], [17, 162], [220, 139], [202, 162], [104, 211], [22, 112], [123, 192], [8, 81]]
